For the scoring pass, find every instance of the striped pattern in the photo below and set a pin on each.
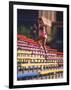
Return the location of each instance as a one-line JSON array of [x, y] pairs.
[[34, 63]]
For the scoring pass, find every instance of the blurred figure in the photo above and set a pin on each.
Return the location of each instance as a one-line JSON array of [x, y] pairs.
[[42, 32]]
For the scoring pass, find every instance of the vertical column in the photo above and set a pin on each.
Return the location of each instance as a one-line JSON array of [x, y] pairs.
[[53, 16], [40, 13]]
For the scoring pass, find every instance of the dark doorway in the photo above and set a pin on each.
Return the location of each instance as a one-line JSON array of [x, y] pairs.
[[59, 16], [58, 40]]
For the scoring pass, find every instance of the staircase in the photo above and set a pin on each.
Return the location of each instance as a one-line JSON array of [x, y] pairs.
[[34, 63]]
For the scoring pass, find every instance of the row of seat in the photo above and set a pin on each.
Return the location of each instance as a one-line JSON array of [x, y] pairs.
[[37, 75], [39, 61], [34, 63]]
